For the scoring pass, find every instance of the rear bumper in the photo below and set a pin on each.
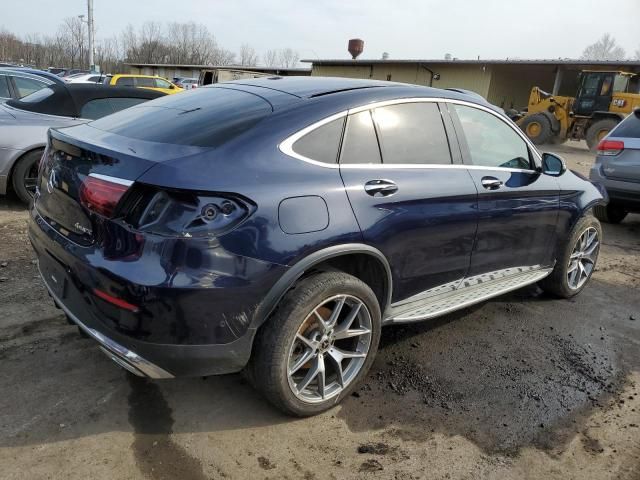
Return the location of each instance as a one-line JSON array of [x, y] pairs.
[[120, 354], [198, 330], [625, 194]]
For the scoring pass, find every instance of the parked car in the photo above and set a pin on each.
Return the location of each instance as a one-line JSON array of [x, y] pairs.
[[72, 71], [617, 166], [39, 73], [150, 82], [85, 78], [16, 84], [186, 83], [274, 225], [24, 124]]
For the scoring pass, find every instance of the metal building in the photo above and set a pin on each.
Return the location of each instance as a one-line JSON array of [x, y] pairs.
[[506, 83]]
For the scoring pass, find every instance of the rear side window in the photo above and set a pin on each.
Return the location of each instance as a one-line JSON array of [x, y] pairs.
[[93, 79], [121, 103], [26, 86], [207, 117], [125, 82], [360, 144], [321, 144], [629, 128], [4, 87], [97, 108], [412, 133]]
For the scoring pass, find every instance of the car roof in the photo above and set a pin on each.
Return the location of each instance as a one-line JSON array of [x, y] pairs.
[[38, 73], [137, 76], [19, 72], [306, 87], [67, 100]]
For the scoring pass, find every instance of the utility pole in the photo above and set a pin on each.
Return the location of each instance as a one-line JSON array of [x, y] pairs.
[[92, 65]]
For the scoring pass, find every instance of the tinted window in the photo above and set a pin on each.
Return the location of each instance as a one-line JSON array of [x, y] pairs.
[[146, 82], [38, 95], [412, 133], [121, 103], [323, 143], [491, 142], [360, 144], [207, 117], [629, 128], [4, 87], [160, 83], [125, 82], [27, 86], [93, 79], [97, 108]]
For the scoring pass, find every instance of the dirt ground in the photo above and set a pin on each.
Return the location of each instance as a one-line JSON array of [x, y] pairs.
[[521, 387]]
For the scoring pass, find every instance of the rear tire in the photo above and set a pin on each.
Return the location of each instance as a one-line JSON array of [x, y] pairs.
[[537, 127], [282, 361], [609, 213], [598, 130], [577, 260], [25, 175]]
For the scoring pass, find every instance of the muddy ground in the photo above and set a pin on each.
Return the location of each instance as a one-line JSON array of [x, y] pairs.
[[524, 386]]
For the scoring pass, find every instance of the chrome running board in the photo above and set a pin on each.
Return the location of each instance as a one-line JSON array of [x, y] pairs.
[[473, 290]]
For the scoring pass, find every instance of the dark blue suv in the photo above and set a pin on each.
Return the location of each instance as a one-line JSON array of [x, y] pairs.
[[275, 225]]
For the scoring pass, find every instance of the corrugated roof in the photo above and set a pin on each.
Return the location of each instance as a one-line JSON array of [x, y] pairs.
[[507, 61], [230, 67]]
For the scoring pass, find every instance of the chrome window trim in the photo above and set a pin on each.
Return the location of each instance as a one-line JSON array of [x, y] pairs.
[[286, 146], [109, 178]]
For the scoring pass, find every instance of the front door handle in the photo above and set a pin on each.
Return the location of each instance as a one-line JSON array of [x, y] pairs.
[[491, 183], [380, 188]]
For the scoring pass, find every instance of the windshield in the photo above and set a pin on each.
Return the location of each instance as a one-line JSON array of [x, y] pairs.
[[620, 83]]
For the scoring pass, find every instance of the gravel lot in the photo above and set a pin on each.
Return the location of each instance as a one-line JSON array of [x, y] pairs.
[[524, 386]]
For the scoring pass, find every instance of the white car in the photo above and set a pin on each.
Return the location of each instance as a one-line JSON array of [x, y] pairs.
[[84, 78]]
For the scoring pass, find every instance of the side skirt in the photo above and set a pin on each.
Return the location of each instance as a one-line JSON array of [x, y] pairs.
[[473, 290]]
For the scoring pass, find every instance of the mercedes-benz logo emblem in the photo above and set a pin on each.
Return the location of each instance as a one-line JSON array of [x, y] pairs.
[[53, 182]]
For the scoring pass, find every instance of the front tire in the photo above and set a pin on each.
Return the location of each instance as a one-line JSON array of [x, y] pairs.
[[598, 130], [609, 213], [318, 345], [537, 127], [25, 175], [577, 261]]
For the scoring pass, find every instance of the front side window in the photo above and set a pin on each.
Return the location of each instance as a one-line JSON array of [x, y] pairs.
[[26, 86], [491, 142], [4, 87], [160, 83], [321, 144], [412, 133], [360, 144], [145, 82]]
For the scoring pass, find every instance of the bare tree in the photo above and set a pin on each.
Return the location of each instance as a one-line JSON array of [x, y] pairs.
[[270, 58], [638, 54], [605, 48], [71, 38], [288, 58], [248, 55]]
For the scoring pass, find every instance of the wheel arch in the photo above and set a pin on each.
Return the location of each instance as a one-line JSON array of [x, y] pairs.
[[14, 162], [361, 260]]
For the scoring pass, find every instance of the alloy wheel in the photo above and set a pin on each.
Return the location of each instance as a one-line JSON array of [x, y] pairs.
[[329, 348], [30, 179], [583, 258]]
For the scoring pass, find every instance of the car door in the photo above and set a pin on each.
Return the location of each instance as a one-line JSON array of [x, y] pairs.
[[410, 200], [517, 204]]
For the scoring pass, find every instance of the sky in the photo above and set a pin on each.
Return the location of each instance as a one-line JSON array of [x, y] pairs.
[[404, 28]]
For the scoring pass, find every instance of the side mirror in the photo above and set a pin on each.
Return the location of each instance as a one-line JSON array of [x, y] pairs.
[[553, 164], [172, 87]]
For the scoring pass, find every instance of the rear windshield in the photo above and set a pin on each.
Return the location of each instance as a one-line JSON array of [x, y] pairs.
[[629, 128], [206, 117]]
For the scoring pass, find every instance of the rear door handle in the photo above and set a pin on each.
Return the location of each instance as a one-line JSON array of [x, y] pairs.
[[491, 183], [380, 188]]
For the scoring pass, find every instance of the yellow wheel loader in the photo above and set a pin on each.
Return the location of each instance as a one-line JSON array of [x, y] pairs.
[[603, 100]]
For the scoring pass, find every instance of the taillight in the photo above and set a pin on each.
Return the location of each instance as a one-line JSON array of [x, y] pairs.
[[102, 196], [610, 147]]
